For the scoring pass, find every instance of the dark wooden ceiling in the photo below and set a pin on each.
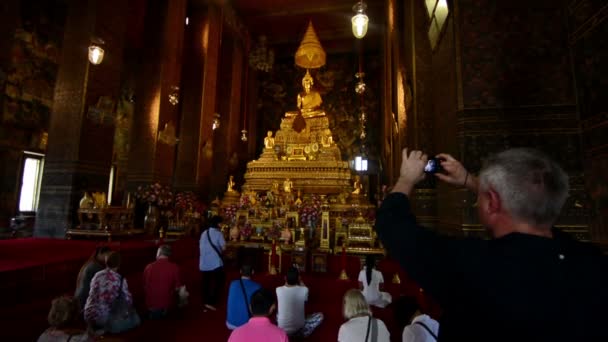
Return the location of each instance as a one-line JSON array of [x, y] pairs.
[[284, 22]]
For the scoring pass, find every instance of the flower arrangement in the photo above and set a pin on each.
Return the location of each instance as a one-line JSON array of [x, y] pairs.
[[246, 230], [230, 213], [274, 232], [155, 194], [185, 200], [310, 210]]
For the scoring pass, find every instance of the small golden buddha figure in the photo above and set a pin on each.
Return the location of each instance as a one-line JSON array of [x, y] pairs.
[[298, 201], [287, 185], [275, 187], [231, 184], [269, 140], [357, 185], [309, 101]]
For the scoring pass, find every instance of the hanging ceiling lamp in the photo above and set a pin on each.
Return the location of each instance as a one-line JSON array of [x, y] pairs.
[[96, 51], [360, 20]]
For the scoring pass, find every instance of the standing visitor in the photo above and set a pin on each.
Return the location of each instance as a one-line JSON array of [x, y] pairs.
[[211, 246], [361, 325], [529, 282], [239, 295], [372, 280]]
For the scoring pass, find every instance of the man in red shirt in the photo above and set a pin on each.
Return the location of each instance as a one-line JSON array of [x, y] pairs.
[[161, 283]]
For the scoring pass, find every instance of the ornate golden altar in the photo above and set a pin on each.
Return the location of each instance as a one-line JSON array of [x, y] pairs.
[[106, 222], [301, 171]]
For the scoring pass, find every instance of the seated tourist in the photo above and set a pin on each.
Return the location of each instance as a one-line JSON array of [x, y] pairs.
[[361, 326], [62, 319], [239, 295], [371, 280], [161, 283], [96, 263], [418, 326], [291, 297], [109, 307], [259, 327]]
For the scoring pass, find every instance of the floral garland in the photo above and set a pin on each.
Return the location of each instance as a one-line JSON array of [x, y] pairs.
[[310, 210], [246, 230], [155, 194]]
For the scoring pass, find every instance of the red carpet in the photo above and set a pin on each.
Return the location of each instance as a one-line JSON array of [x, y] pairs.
[[33, 271]]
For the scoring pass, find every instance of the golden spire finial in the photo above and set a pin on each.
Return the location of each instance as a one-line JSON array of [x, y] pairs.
[[310, 54]]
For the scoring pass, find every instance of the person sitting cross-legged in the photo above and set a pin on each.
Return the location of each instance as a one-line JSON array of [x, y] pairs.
[[418, 326], [371, 280], [239, 296], [161, 283], [291, 315], [63, 319], [259, 327], [361, 325]]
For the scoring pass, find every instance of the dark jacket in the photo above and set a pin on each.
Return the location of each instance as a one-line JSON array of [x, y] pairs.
[[516, 288]]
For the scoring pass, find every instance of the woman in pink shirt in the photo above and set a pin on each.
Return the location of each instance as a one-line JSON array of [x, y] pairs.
[[259, 327]]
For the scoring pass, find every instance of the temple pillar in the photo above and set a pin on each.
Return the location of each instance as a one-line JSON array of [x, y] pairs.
[[151, 160], [191, 102], [212, 34], [79, 153]]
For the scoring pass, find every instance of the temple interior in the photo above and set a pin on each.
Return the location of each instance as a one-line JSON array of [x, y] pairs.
[[137, 120]]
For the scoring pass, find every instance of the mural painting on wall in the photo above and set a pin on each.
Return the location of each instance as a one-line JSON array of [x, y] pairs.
[[30, 78], [336, 84]]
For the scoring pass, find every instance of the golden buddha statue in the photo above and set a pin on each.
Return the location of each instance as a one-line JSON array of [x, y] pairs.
[[357, 185], [309, 101], [287, 184], [269, 140], [231, 184]]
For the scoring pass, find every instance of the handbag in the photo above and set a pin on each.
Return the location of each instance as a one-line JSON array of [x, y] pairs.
[[245, 298], [373, 324], [122, 316]]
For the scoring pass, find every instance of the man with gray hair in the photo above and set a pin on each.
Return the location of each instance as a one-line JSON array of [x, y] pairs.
[[161, 281], [531, 282]]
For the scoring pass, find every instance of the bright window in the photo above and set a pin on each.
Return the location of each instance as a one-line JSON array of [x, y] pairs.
[[438, 13], [30, 182], [111, 184]]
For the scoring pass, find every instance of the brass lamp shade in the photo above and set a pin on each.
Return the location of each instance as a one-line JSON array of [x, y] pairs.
[[310, 54]]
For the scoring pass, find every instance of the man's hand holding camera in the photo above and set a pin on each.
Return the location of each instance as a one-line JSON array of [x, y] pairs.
[[414, 165]]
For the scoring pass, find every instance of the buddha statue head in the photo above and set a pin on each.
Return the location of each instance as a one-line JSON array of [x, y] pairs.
[[307, 82]]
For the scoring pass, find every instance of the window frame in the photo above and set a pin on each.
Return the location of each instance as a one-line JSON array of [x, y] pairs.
[[432, 20], [30, 155]]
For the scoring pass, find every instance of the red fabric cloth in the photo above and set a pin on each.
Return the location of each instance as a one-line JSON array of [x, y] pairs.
[[161, 278]]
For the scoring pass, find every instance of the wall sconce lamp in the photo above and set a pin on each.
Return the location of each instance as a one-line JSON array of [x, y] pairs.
[[216, 121], [174, 95], [360, 20], [96, 51], [360, 86]]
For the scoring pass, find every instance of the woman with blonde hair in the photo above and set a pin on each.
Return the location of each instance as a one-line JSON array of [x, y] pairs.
[[361, 325], [62, 320]]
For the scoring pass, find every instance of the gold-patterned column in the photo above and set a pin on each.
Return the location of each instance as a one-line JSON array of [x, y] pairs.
[[151, 159], [79, 153]]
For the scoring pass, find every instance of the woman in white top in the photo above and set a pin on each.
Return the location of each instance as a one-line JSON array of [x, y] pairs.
[[371, 280], [361, 326]]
